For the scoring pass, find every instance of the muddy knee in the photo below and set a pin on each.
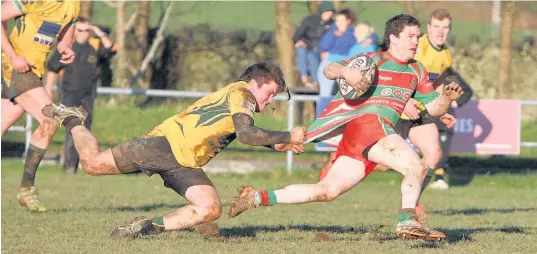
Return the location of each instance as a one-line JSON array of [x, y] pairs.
[[48, 127], [326, 193], [418, 168], [211, 211]]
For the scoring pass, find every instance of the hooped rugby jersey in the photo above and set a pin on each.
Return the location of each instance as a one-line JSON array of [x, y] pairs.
[[395, 83]]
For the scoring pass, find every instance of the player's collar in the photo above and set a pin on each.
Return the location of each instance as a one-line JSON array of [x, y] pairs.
[[395, 59], [434, 46]]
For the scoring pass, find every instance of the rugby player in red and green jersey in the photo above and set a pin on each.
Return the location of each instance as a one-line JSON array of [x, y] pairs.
[[363, 131]]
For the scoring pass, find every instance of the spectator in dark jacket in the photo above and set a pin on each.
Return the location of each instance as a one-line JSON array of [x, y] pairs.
[[306, 40]]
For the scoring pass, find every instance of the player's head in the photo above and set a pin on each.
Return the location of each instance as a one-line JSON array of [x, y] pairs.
[[266, 81], [401, 36], [82, 30], [439, 27]]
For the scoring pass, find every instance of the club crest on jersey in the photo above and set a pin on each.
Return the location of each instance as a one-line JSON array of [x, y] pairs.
[[92, 59]]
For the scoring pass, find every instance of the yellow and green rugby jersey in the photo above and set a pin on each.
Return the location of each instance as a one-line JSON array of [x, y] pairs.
[[35, 31], [199, 133]]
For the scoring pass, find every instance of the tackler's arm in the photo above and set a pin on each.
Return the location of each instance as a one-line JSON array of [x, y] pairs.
[[249, 134]]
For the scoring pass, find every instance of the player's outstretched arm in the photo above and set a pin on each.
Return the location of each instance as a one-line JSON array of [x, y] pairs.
[[440, 105], [248, 134]]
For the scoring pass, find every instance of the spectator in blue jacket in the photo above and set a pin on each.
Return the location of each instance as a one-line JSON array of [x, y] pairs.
[[306, 40], [366, 41], [336, 41]]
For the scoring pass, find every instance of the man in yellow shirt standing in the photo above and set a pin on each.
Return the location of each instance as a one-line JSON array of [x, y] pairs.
[[37, 25]]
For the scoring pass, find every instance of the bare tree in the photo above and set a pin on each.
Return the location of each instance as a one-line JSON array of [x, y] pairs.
[[141, 27], [120, 70], [86, 9], [337, 4], [410, 7], [506, 88], [313, 6], [284, 40]]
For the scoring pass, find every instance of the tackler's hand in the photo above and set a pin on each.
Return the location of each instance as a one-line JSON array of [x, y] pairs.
[[453, 91], [298, 135], [289, 147]]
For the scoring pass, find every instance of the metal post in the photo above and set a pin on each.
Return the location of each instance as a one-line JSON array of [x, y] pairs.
[[29, 128], [290, 123]]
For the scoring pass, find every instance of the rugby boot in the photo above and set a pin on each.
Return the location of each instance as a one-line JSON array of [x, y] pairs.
[[420, 212], [412, 229], [244, 201], [139, 226], [59, 113], [30, 200]]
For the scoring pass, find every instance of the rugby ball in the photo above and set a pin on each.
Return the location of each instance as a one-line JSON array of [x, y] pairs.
[[362, 60]]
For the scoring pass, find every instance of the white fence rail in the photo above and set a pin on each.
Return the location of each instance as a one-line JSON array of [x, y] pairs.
[[189, 94]]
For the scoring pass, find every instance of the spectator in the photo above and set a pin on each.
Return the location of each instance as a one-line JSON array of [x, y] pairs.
[[336, 41], [366, 41], [306, 40], [79, 79]]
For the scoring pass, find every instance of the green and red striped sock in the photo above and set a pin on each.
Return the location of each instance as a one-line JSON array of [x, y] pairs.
[[266, 197], [407, 214]]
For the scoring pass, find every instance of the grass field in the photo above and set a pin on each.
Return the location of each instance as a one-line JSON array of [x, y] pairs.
[[493, 214]]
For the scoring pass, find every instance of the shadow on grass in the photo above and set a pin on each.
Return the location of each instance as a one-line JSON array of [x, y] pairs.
[[475, 211], [466, 234], [376, 233], [143, 208], [251, 231]]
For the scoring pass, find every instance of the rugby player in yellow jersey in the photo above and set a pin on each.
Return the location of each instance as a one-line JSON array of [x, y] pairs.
[[37, 25], [179, 147], [417, 124]]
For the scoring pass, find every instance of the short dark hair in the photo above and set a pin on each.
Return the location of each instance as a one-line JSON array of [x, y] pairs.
[[265, 72], [82, 20], [348, 15], [397, 24]]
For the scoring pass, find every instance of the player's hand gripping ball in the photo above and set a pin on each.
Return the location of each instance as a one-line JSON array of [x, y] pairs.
[[353, 87]]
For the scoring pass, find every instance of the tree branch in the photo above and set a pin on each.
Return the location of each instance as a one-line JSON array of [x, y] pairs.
[[154, 46], [111, 4], [130, 22]]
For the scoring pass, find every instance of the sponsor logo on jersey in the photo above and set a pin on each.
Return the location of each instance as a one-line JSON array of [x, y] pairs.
[[386, 91], [47, 33], [385, 78]]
